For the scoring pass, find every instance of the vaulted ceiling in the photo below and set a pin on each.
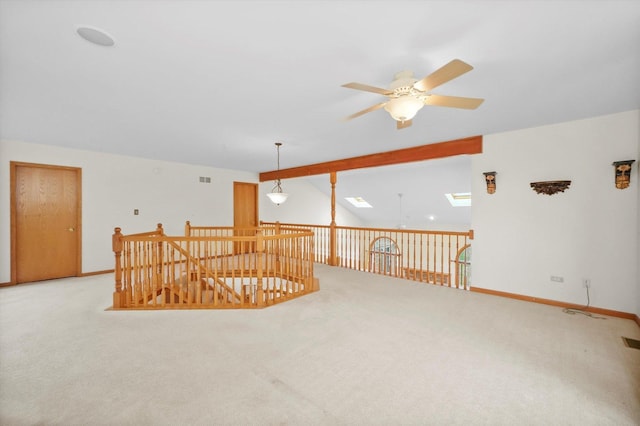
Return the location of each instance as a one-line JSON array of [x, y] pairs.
[[218, 82]]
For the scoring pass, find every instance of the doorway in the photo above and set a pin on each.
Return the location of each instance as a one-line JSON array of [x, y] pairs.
[[46, 216], [245, 213]]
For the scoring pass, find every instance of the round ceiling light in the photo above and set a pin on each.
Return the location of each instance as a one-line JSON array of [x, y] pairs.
[[95, 36]]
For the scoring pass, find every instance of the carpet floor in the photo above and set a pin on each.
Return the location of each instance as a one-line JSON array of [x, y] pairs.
[[365, 349]]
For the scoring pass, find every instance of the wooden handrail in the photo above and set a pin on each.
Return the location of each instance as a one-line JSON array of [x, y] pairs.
[[362, 228], [202, 270], [421, 255]]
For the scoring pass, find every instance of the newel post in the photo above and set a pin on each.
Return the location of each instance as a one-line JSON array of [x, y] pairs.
[[116, 244], [187, 229], [333, 259], [159, 251], [259, 268]]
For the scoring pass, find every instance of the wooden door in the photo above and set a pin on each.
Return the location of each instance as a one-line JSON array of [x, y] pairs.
[[245, 212], [45, 222]]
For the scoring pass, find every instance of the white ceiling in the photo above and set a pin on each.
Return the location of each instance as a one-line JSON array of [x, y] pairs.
[[217, 82]]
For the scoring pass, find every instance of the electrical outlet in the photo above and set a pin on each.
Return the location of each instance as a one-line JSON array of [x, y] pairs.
[[557, 279], [586, 282]]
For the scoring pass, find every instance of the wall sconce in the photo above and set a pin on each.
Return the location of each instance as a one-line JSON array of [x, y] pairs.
[[490, 178], [623, 173]]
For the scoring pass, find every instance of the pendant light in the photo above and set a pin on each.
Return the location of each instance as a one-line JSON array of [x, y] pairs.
[[276, 195]]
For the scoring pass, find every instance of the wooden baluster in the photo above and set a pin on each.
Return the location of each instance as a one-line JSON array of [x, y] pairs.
[[299, 258], [136, 289], [417, 256], [428, 258], [400, 253], [147, 269], [467, 284], [326, 250], [362, 249], [455, 274], [326, 238], [153, 272], [277, 247], [209, 263], [441, 258], [197, 248], [319, 242], [127, 273], [163, 278], [116, 244], [310, 286], [448, 275], [215, 274], [259, 272], [351, 249]]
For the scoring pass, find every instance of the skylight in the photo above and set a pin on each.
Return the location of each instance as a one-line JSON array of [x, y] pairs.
[[460, 199], [359, 202]]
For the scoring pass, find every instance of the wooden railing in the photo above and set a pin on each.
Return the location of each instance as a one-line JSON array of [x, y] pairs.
[[212, 267], [436, 257]]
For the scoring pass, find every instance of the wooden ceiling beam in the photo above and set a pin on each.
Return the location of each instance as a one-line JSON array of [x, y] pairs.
[[471, 145]]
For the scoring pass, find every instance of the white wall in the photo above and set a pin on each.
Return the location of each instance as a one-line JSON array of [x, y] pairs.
[[163, 192], [589, 231], [306, 205], [113, 186]]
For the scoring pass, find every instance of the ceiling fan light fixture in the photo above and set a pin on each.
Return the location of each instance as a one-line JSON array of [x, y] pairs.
[[403, 108], [408, 95]]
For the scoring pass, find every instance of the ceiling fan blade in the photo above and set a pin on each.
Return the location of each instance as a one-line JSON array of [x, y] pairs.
[[448, 72], [453, 101], [367, 88], [403, 124], [364, 111]]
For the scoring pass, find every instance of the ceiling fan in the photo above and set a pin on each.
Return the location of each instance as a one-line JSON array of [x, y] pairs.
[[407, 94]]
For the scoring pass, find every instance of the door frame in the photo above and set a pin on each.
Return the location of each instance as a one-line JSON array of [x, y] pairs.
[[13, 165]]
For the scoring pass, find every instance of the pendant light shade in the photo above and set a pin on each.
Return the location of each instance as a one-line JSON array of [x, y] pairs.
[[403, 108], [277, 196]]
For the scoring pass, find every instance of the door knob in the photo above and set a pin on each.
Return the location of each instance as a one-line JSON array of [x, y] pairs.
[[71, 229]]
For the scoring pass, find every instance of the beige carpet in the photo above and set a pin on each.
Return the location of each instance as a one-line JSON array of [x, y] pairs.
[[364, 350]]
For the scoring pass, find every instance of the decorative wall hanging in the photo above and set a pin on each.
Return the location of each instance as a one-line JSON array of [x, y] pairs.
[[550, 187], [623, 173], [490, 178]]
